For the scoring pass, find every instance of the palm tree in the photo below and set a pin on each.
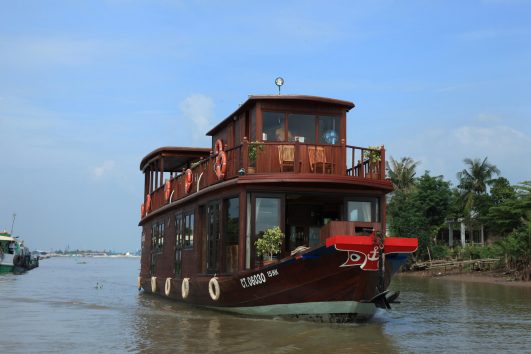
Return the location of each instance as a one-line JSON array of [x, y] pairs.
[[474, 180], [402, 173]]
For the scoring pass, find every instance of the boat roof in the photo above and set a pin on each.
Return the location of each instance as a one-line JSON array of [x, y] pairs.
[[6, 238], [174, 156], [301, 98]]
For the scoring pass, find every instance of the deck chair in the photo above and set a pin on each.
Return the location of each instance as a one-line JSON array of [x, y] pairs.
[[286, 157], [317, 159]]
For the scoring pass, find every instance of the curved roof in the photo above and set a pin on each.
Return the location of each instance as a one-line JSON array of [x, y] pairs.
[[301, 98], [174, 157]]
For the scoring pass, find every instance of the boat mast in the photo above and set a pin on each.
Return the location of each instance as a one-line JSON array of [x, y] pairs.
[[13, 224]]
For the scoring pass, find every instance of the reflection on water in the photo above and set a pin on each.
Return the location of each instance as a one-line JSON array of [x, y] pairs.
[[60, 308]]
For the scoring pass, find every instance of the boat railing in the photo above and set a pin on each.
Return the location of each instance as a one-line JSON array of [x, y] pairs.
[[276, 157]]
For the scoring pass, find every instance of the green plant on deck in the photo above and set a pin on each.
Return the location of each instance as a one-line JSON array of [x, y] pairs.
[[373, 154], [269, 243], [253, 149]]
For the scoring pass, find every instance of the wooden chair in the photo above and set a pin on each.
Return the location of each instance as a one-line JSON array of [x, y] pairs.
[[317, 158], [286, 157]]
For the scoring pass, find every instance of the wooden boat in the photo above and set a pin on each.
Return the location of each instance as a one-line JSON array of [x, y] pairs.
[[277, 161]]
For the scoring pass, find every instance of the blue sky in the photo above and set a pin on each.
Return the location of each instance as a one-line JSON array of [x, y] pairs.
[[87, 88]]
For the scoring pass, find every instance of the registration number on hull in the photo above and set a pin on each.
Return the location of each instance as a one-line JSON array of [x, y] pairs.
[[257, 279]]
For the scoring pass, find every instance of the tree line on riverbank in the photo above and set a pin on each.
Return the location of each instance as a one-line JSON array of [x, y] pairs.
[[422, 206]]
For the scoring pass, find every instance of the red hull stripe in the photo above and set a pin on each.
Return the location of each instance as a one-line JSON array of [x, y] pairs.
[[366, 243]]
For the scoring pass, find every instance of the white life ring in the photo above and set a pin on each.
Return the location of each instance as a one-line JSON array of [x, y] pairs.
[[213, 288], [139, 283], [185, 288], [167, 287], [153, 284]]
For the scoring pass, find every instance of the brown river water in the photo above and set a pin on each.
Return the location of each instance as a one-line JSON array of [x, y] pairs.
[[91, 305]]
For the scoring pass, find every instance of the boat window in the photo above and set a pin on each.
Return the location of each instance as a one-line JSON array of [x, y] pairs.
[[328, 130], [267, 214], [157, 237], [232, 233], [189, 230], [273, 126], [301, 127], [363, 210], [178, 243]]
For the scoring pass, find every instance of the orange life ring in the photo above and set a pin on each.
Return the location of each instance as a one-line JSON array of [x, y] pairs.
[[142, 210], [188, 181], [220, 166], [148, 203], [167, 191], [218, 146]]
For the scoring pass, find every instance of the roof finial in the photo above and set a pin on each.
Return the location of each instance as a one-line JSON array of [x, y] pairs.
[[279, 81]]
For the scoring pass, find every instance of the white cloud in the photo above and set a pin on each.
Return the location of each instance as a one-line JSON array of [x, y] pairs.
[[104, 169], [198, 109], [442, 150], [495, 137]]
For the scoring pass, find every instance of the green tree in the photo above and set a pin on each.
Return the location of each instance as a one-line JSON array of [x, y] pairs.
[[421, 212], [402, 173], [473, 182]]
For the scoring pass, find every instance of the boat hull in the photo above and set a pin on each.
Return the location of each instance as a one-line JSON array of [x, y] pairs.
[[6, 263], [318, 285]]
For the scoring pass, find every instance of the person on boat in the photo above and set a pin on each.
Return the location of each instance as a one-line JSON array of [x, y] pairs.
[[280, 136]]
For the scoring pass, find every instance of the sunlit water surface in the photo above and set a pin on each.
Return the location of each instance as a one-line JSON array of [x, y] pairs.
[[91, 305]]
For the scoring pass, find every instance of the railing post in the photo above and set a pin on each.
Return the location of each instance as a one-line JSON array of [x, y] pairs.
[[343, 158], [245, 153], [362, 163], [382, 162]]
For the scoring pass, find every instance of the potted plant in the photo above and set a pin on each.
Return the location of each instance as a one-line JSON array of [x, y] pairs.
[[269, 243], [253, 149], [373, 156]]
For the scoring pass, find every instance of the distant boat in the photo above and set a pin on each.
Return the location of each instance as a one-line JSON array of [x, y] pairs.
[[14, 257], [282, 163]]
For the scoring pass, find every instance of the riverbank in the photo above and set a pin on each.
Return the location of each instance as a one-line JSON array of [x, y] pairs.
[[489, 277]]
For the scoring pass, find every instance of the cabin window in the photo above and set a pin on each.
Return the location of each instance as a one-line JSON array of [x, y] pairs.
[[178, 243], [363, 210], [267, 214], [188, 230], [273, 126], [301, 127], [232, 234], [328, 130], [157, 237]]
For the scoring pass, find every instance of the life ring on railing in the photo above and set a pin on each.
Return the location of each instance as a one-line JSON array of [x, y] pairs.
[[220, 166], [148, 203], [142, 210], [188, 180], [218, 146], [185, 288], [167, 287], [213, 288], [153, 284], [167, 191]]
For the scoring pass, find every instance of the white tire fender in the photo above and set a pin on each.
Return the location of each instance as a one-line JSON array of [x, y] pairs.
[[167, 287], [153, 284], [185, 288], [213, 288]]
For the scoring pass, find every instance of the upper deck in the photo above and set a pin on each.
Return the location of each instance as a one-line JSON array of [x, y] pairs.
[[268, 138]]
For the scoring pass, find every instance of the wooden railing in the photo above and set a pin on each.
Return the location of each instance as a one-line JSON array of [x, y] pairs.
[[339, 160], [365, 162]]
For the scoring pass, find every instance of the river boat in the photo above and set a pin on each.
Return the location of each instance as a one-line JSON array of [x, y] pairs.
[[14, 256], [276, 161]]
